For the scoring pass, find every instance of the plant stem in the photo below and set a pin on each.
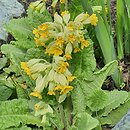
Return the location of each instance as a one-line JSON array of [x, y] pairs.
[[62, 115], [61, 110], [69, 109]]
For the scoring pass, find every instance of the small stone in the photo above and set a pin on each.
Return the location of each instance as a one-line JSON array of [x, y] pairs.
[[8, 10]]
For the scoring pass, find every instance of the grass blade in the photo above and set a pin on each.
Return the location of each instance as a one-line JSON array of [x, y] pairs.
[[119, 28]]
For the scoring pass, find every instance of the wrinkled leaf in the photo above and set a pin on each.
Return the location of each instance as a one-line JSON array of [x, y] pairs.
[[84, 121]]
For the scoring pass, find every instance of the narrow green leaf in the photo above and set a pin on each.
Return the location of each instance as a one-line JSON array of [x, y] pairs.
[[119, 28]]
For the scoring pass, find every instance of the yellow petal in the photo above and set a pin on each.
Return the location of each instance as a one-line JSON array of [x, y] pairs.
[[66, 89], [71, 78], [58, 18], [36, 94], [51, 93]]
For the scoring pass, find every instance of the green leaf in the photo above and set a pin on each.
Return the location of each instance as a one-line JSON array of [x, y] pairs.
[[5, 92], [15, 55], [84, 121], [11, 50], [37, 53], [128, 7], [115, 116], [24, 43], [56, 120], [78, 99], [97, 100], [4, 81], [116, 98], [119, 28], [20, 128], [3, 62], [20, 28], [85, 89], [86, 64], [15, 112], [96, 81], [36, 18], [21, 92], [75, 8]]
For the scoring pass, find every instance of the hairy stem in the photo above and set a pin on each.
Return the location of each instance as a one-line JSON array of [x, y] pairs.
[[69, 108], [61, 110]]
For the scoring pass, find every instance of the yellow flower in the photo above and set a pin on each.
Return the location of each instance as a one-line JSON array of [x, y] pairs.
[[64, 13], [71, 78], [62, 1], [51, 93], [71, 38], [84, 43], [66, 89], [43, 27], [76, 50], [68, 56], [36, 32], [59, 41], [36, 94], [58, 88], [86, 14], [62, 67], [37, 41], [44, 34], [93, 19], [56, 51], [70, 26], [42, 44], [25, 67], [37, 106]]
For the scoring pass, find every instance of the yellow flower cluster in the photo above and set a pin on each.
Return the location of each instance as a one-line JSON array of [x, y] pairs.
[[94, 19], [60, 39], [62, 32]]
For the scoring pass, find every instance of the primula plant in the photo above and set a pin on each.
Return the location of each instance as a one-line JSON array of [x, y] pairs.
[[60, 40], [50, 73]]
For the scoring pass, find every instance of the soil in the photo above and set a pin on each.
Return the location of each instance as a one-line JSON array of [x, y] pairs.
[[113, 12]]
